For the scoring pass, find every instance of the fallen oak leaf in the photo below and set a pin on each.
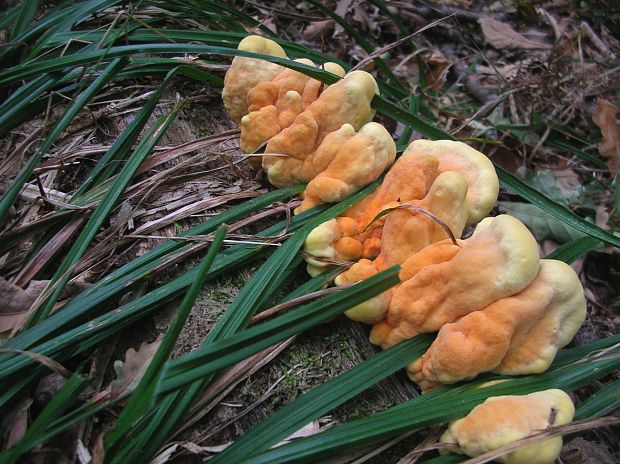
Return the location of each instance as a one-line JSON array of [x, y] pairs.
[[501, 35], [604, 116], [130, 371], [16, 302]]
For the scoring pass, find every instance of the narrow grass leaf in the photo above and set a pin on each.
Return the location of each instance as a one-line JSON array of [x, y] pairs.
[[555, 209], [602, 402], [35, 433], [26, 13], [224, 353], [437, 407], [397, 91], [12, 192], [110, 161], [573, 250], [142, 397], [324, 398], [62, 275]]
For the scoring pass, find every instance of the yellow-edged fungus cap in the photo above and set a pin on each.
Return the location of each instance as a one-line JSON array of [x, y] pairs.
[[473, 165], [502, 420], [245, 73]]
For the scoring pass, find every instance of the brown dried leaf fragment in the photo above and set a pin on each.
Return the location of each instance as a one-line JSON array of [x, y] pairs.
[[501, 35], [604, 116], [17, 301], [129, 372]]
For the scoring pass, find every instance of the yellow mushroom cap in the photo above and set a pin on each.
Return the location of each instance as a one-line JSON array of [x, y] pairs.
[[533, 350], [516, 335], [245, 73], [473, 165], [443, 282], [502, 420]]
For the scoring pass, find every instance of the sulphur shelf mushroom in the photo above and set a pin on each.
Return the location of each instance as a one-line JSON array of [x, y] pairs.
[[502, 420], [245, 73], [444, 282], [516, 335], [315, 133], [273, 105], [450, 180]]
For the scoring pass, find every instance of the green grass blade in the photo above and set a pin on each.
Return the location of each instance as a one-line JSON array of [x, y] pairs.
[[19, 100], [324, 398], [89, 333], [262, 285], [10, 195], [35, 433], [574, 249], [143, 396], [400, 114], [224, 353], [110, 161], [62, 275], [431, 409], [156, 429], [118, 281], [28, 70], [26, 12], [604, 401], [397, 91], [555, 209]]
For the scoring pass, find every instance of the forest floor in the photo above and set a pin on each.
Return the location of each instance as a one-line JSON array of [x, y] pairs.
[[536, 82]]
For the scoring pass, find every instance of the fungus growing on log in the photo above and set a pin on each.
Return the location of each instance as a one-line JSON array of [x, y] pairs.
[[444, 282], [502, 420], [409, 182], [516, 335]]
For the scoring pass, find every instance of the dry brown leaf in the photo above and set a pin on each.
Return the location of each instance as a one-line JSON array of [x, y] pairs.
[[15, 423], [567, 181], [604, 116], [16, 302], [581, 451], [129, 372], [438, 66], [501, 35], [315, 29]]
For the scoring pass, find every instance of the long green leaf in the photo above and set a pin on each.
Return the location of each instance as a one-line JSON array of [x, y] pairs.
[[89, 333], [400, 91], [555, 209], [143, 396], [62, 275], [26, 13], [35, 433], [324, 398], [437, 407], [109, 162], [574, 249], [602, 402], [9, 197], [220, 354], [251, 297]]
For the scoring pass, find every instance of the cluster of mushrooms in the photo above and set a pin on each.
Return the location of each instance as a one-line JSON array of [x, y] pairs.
[[497, 307]]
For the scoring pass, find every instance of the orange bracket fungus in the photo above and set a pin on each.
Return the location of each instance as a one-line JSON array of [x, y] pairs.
[[315, 133], [273, 105], [444, 282], [455, 185], [245, 73], [517, 335], [502, 420]]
